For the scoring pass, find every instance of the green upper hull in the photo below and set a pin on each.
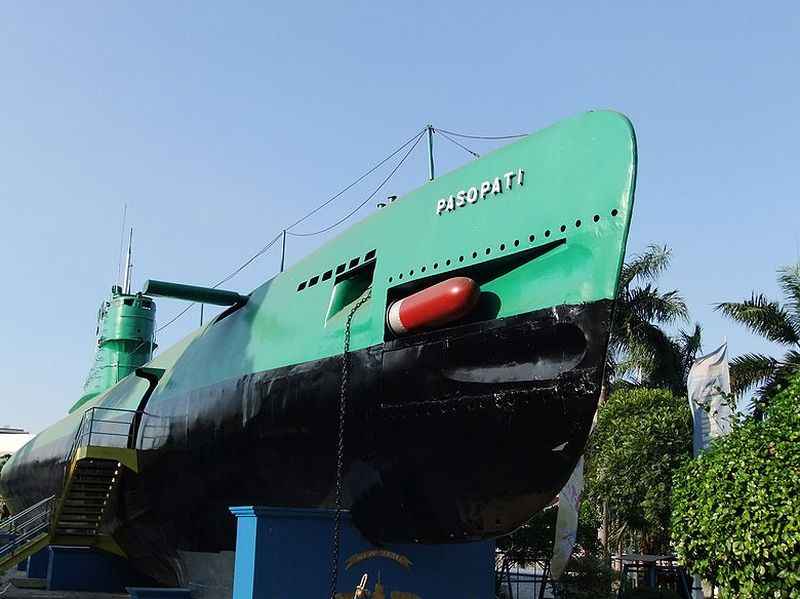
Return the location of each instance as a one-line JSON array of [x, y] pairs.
[[578, 184]]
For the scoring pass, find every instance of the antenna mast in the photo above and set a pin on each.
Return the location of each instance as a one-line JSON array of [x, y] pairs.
[[430, 131], [121, 241], [126, 283]]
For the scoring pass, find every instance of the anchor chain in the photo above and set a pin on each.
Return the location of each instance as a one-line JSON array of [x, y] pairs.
[[343, 391]]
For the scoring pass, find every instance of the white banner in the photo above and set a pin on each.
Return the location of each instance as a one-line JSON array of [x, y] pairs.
[[569, 503], [708, 380]]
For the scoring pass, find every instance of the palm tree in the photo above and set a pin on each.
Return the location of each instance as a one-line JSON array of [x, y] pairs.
[[778, 323], [639, 346]]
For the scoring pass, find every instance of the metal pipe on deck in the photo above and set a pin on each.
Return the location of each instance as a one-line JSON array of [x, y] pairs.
[[193, 293]]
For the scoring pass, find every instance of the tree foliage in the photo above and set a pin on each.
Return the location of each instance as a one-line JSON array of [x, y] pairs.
[[639, 346], [641, 436], [533, 542], [736, 508], [777, 323]]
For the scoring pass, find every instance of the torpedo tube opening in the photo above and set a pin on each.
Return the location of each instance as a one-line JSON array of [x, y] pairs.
[[445, 299], [433, 307]]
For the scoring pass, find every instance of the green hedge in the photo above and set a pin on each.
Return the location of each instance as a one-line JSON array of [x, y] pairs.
[[736, 509]]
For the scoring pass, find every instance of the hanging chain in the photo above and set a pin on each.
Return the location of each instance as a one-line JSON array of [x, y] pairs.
[[343, 391]]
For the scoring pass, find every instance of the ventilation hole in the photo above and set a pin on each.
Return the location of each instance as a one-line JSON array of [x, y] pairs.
[[563, 228], [614, 212], [502, 247], [447, 262], [327, 275], [301, 286], [488, 251], [340, 269], [400, 276], [547, 233], [354, 262], [391, 279], [435, 265], [461, 258], [516, 243], [370, 255], [313, 281], [578, 223], [411, 273], [474, 255], [423, 269], [532, 238], [596, 217]]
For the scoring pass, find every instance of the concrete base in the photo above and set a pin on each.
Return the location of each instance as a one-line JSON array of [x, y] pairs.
[[282, 552]]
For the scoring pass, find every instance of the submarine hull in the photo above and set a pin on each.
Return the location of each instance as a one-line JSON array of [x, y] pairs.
[[462, 435], [455, 434]]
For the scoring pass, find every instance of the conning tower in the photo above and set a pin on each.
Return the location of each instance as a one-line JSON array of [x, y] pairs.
[[125, 337]]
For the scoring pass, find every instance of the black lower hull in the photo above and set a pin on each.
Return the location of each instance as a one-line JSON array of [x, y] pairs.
[[455, 435]]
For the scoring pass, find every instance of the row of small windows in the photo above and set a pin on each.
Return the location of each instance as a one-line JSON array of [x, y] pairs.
[[501, 247], [370, 255]]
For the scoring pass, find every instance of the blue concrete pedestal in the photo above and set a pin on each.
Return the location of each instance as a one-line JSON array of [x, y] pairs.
[[285, 552], [84, 569], [38, 563]]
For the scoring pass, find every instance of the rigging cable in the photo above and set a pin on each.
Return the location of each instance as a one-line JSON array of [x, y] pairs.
[[482, 136], [457, 143], [413, 140], [361, 178], [368, 198]]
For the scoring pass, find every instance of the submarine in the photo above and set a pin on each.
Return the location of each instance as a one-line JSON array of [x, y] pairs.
[[449, 348]]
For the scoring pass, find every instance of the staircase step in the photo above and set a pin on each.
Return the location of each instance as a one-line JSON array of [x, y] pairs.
[[107, 465], [70, 520], [74, 502], [82, 484], [81, 515], [82, 527], [97, 469], [87, 495], [95, 475], [72, 532], [91, 477]]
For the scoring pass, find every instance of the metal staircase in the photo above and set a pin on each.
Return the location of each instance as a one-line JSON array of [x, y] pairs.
[[102, 449]]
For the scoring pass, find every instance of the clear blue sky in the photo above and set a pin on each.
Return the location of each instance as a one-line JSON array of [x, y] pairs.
[[219, 123]]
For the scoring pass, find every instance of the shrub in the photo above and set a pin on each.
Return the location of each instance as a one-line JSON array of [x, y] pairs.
[[736, 508]]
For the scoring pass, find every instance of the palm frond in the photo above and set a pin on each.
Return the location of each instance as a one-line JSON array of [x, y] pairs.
[[646, 266], [762, 316], [749, 370], [688, 345], [789, 282], [650, 304]]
